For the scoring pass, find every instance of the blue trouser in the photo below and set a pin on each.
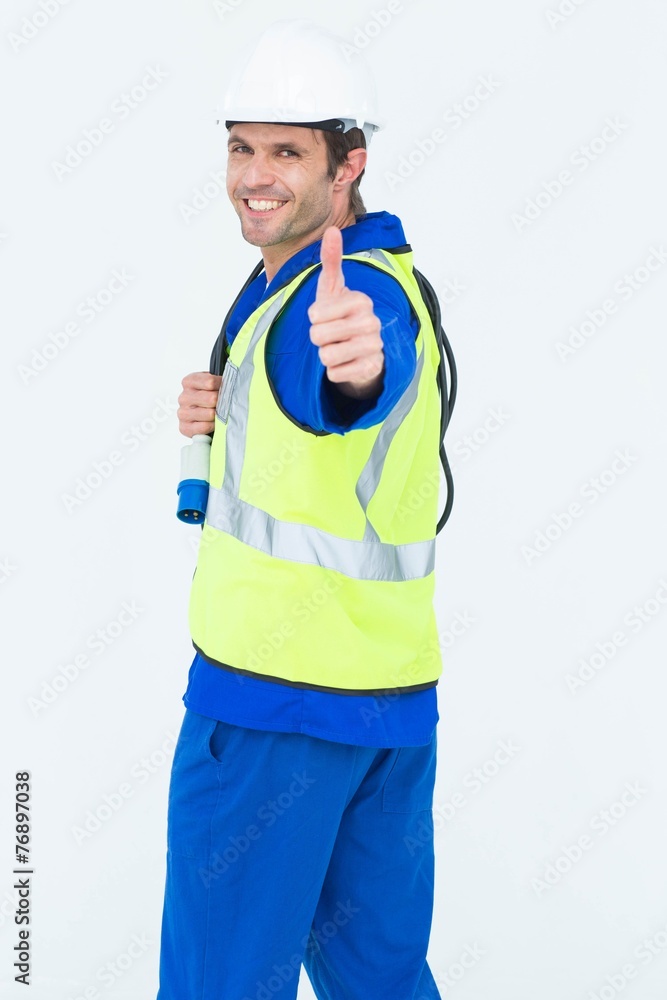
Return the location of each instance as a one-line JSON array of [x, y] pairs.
[[285, 849]]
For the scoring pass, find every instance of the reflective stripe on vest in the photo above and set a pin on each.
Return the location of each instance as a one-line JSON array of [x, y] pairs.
[[363, 560], [259, 562]]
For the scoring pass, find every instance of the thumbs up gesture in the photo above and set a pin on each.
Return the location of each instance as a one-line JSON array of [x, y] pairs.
[[344, 326]]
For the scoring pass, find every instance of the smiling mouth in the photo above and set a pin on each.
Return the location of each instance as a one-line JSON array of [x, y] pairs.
[[262, 206]]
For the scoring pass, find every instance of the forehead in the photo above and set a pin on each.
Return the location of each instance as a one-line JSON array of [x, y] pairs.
[[273, 134]]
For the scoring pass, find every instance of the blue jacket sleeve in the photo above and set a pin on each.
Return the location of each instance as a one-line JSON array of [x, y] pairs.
[[299, 377]]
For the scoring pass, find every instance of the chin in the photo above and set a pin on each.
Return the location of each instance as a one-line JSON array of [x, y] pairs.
[[254, 239], [253, 242], [266, 240]]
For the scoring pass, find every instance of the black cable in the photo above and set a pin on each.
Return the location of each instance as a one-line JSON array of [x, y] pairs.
[[446, 401]]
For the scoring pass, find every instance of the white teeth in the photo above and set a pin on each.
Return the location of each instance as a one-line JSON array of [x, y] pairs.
[[264, 206]]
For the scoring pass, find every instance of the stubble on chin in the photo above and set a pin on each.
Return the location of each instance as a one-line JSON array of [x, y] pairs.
[[306, 220], [256, 239]]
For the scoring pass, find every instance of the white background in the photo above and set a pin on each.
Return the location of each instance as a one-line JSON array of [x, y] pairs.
[[558, 933]]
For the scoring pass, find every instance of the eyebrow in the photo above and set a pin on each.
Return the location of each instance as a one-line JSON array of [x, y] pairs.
[[274, 145]]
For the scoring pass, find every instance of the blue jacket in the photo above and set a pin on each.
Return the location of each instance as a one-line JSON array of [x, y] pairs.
[[300, 382]]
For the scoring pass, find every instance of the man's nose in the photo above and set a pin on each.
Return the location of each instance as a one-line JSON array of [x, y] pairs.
[[259, 173]]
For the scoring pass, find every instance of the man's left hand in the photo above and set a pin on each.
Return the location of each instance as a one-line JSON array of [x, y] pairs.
[[344, 326]]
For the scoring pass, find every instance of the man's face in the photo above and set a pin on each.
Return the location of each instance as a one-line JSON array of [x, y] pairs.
[[278, 163]]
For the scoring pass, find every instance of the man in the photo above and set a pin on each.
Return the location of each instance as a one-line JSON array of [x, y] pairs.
[[300, 826]]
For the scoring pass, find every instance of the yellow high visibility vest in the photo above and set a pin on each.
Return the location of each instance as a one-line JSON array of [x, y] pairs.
[[316, 565]]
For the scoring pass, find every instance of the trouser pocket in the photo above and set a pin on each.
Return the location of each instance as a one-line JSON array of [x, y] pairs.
[[410, 782], [195, 783], [218, 740]]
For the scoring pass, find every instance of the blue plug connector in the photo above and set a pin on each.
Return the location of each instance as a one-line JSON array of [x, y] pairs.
[[193, 487]]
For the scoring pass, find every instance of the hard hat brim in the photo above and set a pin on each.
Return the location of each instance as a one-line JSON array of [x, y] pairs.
[[328, 125]]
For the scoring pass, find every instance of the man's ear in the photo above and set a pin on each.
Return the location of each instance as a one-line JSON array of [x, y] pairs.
[[350, 170]]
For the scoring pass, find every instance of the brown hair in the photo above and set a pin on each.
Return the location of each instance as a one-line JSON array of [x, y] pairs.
[[338, 146]]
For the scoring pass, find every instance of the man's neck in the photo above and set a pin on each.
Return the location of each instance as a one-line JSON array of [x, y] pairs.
[[276, 256]]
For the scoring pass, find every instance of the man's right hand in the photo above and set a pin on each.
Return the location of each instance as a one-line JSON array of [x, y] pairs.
[[196, 404]]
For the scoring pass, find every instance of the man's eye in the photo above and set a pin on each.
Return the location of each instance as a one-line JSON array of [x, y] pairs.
[[290, 151], [236, 149]]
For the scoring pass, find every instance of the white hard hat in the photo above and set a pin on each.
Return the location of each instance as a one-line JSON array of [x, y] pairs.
[[299, 73]]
